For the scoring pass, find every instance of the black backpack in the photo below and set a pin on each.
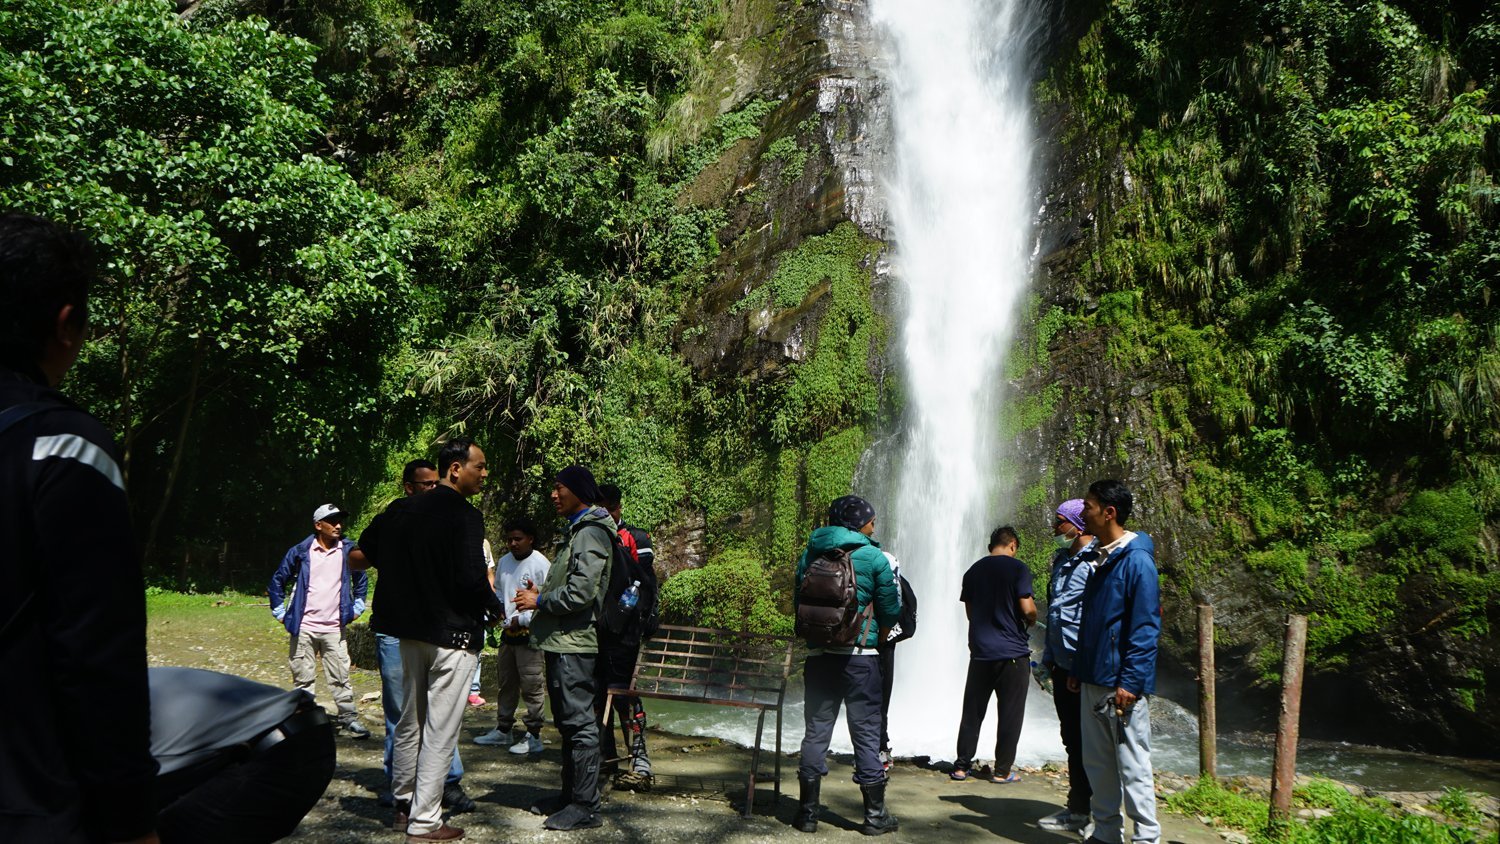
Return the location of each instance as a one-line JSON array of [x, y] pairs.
[[828, 613], [623, 569]]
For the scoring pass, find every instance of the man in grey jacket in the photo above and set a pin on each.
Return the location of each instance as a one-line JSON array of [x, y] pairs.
[[568, 607]]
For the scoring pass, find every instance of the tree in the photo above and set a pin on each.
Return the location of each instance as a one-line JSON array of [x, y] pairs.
[[237, 264]]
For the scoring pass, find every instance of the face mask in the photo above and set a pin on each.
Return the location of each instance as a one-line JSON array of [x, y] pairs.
[[1060, 541]]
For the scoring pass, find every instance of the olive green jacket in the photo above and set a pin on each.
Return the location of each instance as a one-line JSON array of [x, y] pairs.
[[572, 597]]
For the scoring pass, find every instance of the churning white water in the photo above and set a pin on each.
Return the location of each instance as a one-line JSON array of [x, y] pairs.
[[961, 206]]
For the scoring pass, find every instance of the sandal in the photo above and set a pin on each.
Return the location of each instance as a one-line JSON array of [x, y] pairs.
[[1011, 777], [959, 774]]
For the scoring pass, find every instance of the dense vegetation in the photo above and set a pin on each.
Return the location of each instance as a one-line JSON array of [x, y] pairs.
[[1299, 241], [337, 231]]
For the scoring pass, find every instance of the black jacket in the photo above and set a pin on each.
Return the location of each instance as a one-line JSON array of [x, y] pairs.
[[429, 549], [75, 761]]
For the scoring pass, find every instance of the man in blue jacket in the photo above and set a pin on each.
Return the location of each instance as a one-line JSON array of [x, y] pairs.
[[1114, 669], [326, 598], [849, 675]]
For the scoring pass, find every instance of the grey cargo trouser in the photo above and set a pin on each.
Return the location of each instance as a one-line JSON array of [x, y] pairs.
[[1117, 756]]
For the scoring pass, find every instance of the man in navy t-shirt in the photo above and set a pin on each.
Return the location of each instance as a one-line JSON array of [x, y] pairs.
[[997, 597]]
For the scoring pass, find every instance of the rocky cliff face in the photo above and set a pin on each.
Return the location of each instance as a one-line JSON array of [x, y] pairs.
[[1408, 686]]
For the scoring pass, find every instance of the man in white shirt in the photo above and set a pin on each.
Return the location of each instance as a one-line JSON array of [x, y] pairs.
[[520, 666]]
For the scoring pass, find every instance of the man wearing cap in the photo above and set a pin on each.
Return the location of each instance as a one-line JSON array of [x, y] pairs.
[[326, 597], [1072, 563], [849, 675], [567, 608]]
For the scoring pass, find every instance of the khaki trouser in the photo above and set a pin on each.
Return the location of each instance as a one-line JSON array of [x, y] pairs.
[[521, 670], [303, 658], [436, 691]]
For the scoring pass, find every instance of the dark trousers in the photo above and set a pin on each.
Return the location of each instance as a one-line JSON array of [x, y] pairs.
[[887, 682], [616, 667], [571, 687], [854, 681], [1007, 680], [1068, 714], [258, 799]]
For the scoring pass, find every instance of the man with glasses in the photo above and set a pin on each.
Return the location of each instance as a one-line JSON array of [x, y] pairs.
[[326, 597]]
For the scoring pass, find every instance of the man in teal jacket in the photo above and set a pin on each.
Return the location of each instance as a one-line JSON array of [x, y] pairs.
[[849, 675]]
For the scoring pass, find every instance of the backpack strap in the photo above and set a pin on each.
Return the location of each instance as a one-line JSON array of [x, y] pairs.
[[15, 413]]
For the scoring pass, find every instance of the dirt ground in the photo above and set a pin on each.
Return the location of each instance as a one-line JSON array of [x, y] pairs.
[[700, 785]]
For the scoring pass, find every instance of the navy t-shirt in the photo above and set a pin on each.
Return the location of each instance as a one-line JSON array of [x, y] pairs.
[[992, 588]]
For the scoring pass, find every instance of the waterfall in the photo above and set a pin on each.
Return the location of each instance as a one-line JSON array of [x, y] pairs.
[[961, 202]]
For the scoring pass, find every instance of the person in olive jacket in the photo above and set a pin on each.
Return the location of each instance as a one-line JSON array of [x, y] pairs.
[[849, 675], [568, 606]]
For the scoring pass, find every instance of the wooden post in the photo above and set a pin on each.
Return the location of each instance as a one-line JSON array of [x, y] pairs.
[[1208, 730], [1284, 769]]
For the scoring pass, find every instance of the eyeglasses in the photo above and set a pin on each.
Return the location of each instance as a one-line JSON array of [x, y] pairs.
[[425, 484]]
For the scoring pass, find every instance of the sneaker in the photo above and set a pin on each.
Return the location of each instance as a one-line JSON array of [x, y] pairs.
[[1065, 821], [633, 781], [355, 730], [495, 738], [527, 744], [475, 699], [442, 833], [456, 801]]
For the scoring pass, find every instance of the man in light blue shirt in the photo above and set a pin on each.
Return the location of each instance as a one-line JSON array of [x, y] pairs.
[[1072, 564]]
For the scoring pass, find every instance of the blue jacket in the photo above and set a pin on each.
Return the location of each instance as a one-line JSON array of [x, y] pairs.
[[1117, 637], [873, 581], [1070, 572], [295, 565]]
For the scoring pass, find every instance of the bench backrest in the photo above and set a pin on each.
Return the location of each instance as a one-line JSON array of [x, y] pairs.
[[709, 665]]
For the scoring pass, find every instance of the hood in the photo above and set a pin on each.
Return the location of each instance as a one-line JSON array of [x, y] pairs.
[[836, 536], [594, 514]]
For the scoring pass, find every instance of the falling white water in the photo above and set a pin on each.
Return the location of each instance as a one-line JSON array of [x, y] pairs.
[[961, 205]]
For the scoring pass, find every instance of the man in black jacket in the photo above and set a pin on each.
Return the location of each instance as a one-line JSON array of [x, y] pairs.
[[72, 600], [433, 595]]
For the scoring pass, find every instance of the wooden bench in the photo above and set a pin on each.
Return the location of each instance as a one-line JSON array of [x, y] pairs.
[[720, 667]]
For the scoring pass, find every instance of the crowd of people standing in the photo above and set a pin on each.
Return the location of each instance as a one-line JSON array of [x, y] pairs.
[[1099, 660]]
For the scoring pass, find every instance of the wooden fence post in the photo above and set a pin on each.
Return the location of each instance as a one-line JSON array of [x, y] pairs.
[[1208, 731], [1284, 770]]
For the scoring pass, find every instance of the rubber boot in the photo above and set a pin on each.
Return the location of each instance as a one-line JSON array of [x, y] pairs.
[[878, 821], [807, 804]]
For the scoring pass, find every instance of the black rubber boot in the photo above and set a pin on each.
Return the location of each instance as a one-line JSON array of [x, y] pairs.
[[807, 804], [878, 821]]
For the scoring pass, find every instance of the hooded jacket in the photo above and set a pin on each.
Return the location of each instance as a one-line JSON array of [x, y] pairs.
[[874, 581], [353, 586], [1121, 624], [571, 599]]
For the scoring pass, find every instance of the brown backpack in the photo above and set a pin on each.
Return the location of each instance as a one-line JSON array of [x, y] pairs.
[[828, 613]]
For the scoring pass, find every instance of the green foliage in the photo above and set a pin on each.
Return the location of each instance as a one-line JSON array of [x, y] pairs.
[[1355, 820], [1207, 798], [792, 157], [831, 387], [1458, 805], [240, 269], [1296, 250], [732, 591]]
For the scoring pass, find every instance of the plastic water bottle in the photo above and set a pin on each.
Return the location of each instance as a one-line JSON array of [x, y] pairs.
[[631, 596], [1042, 675]]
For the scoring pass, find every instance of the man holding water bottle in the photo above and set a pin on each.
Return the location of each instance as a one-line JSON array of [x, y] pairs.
[[567, 607]]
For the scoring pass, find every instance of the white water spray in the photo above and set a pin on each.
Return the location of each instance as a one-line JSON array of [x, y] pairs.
[[960, 200]]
